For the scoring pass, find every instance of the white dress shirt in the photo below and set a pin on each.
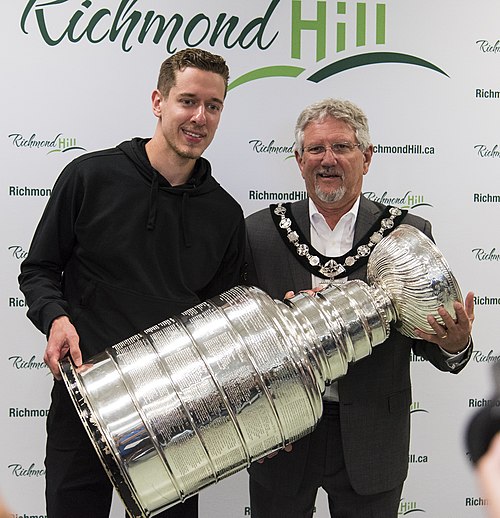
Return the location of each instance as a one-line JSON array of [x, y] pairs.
[[332, 243]]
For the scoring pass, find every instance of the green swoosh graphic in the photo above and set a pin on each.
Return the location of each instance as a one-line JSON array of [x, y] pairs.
[[421, 205], [371, 59], [260, 73], [66, 149]]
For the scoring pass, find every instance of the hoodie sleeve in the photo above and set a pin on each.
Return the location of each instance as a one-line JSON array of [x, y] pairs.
[[41, 278], [230, 270]]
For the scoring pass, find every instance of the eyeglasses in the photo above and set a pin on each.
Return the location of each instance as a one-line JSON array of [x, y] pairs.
[[337, 148]]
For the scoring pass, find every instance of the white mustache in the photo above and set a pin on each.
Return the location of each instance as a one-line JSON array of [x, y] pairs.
[[328, 171]]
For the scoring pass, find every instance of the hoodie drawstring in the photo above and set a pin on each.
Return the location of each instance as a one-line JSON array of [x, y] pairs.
[[184, 224], [153, 202], [153, 211]]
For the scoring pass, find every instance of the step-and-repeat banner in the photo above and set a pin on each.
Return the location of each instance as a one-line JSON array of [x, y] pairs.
[[77, 76]]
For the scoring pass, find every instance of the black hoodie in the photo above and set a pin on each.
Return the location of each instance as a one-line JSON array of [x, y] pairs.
[[119, 249]]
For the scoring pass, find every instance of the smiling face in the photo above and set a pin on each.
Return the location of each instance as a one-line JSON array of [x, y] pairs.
[[189, 115], [332, 181]]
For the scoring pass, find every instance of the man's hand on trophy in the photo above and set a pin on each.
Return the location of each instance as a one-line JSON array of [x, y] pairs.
[[454, 334], [312, 292], [287, 448], [63, 339]]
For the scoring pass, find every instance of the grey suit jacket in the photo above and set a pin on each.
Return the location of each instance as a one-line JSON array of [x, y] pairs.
[[375, 394]]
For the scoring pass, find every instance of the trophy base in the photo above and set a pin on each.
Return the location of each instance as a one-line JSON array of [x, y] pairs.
[[99, 441]]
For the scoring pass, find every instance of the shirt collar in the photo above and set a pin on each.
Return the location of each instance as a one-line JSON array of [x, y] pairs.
[[348, 220]]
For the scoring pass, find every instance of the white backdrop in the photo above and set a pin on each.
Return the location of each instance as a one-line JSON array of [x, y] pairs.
[[77, 76]]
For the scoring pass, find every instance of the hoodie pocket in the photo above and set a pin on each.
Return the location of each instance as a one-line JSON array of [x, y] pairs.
[[109, 314]]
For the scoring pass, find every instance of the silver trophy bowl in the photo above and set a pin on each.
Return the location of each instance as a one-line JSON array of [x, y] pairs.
[[201, 395]]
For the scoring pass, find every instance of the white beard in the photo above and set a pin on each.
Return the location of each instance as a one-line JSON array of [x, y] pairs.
[[330, 197]]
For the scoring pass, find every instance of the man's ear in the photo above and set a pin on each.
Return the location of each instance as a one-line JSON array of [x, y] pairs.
[[299, 159], [367, 158], [156, 100]]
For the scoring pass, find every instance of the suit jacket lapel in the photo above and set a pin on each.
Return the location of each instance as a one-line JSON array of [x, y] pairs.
[[301, 277], [368, 212]]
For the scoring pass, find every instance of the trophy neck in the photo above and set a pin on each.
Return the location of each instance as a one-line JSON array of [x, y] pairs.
[[343, 322]]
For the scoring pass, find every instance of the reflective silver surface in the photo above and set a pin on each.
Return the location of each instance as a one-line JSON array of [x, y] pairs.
[[203, 394], [415, 276]]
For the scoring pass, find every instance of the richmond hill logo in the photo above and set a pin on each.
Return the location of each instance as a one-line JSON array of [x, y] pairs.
[[408, 200], [57, 144], [417, 408], [337, 27], [407, 507]]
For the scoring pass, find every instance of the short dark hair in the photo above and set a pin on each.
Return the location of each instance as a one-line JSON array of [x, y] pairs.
[[192, 57]]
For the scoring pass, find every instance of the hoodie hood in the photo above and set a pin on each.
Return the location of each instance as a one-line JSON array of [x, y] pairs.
[[200, 182]]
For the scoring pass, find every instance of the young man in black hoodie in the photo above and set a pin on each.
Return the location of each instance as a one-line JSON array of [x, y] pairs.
[[130, 236]]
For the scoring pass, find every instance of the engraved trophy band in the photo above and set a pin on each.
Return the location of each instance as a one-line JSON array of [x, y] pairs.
[[201, 395]]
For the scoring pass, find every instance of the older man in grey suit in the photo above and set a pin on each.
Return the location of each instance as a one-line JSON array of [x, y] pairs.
[[359, 451]]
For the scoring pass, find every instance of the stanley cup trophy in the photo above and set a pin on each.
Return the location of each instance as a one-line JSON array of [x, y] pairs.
[[201, 395]]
